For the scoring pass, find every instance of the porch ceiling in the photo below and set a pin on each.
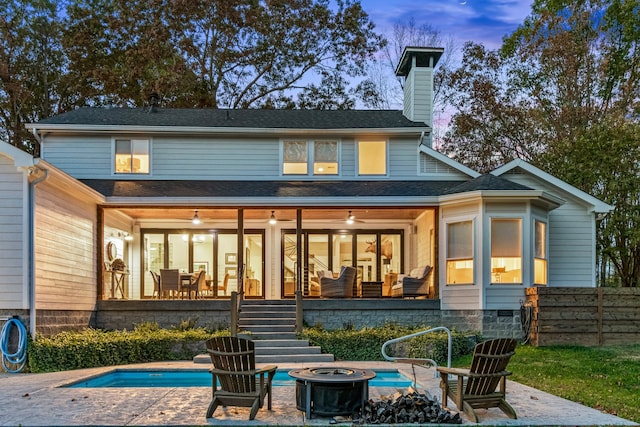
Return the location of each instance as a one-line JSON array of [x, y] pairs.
[[337, 214]]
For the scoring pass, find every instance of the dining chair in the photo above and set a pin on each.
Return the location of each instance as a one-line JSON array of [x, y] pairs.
[[170, 279], [198, 282], [223, 286], [157, 287]]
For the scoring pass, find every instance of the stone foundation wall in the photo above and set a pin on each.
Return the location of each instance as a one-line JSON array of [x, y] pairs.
[[213, 314], [330, 314], [338, 314]]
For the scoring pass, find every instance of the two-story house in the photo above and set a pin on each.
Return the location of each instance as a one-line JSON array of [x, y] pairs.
[[267, 201]]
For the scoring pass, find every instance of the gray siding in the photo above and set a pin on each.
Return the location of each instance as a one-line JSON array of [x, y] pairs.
[[571, 238], [174, 157], [13, 219]]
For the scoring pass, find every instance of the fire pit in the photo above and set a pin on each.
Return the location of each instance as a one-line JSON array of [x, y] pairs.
[[331, 391]]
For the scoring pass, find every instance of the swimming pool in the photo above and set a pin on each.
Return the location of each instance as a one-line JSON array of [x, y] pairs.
[[202, 378]]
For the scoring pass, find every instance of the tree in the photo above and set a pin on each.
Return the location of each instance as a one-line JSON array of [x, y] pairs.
[[204, 53], [562, 93], [30, 66]]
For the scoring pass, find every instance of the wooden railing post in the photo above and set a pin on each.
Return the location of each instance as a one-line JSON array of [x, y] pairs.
[[234, 314], [299, 313]]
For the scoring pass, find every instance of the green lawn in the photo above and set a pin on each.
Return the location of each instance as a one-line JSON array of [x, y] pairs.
[[605, 378]]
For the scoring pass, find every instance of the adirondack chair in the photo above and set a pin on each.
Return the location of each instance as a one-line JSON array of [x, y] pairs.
[[476, 387], [241, 384]]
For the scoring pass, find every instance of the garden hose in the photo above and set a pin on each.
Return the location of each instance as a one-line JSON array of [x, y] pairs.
[[13, 362]]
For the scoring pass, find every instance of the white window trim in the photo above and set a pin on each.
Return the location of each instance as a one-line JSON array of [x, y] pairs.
[[113, 155]]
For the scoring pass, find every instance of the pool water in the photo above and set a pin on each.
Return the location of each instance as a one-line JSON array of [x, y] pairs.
[[202, 378]]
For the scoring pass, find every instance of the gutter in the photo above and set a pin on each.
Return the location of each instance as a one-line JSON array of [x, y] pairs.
[[33, 170]]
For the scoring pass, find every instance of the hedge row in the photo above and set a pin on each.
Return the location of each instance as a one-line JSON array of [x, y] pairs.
[[366, 344], [93, 348]]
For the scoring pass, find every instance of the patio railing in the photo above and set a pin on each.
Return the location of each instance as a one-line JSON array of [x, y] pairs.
[[418, 361]]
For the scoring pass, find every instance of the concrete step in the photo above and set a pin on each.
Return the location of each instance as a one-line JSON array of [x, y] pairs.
[[288, 350], [254, 328], [281, 343], [295, 358], [268, 315], [266, 321], [273, 336], [262, 302], [268, 308]]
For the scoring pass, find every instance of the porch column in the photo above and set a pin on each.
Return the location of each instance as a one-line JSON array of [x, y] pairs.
[[299, 259], [240, 252]]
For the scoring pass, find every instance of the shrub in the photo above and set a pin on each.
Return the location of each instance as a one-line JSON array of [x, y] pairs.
[[366, 343], [93, 347]]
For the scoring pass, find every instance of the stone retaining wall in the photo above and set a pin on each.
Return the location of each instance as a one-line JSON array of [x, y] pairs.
[[331, 314]]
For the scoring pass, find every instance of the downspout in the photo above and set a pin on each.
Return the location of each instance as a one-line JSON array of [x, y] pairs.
[[32, 252]]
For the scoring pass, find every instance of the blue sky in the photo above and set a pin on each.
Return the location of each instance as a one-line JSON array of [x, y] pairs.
[[483, 21]]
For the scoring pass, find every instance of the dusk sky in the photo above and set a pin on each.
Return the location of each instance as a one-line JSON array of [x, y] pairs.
[[484, 21]]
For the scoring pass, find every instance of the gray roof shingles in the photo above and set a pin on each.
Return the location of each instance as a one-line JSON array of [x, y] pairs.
[[250, 118], [294, 189]]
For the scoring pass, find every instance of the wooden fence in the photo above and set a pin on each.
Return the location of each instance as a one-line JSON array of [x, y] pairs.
[[584, 316]]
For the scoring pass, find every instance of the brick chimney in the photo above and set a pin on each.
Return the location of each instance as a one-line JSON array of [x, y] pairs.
[[416, 66]]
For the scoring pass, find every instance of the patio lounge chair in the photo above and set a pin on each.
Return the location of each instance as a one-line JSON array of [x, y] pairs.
[[414, 284], [342, 287], [241, 384], [476, 387]]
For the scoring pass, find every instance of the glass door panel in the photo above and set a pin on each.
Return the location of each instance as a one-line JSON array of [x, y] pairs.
[[342, 246], [367, 258], [228, 260], [203, 260], [317, 260], [254, 261], [179, 252], [153, 260], [289, 263]]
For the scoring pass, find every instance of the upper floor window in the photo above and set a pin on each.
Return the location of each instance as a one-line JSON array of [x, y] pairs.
[[372, 157], [131, 156], [460, 253], [296, 157], [325, 158], [506, 250], [540, 254]]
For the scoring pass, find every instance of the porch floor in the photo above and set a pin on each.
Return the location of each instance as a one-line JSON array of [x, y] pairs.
[[37, 400]]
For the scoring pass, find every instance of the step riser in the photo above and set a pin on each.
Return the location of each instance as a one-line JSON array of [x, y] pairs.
[[287, 351], [296, 358], [281, 343], [273, 336], [263, 321], [267, 315]]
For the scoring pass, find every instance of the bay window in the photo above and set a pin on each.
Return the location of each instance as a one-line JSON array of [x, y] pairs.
[[506, 250], [540, 254], [460, 253]]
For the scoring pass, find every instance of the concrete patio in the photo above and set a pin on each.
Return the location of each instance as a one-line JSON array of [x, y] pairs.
[[37, 400]]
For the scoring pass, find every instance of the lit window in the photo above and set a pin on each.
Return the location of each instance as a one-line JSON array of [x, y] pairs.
[[506, 251], [325, 157], [294, 159], [540, 255], [372, 158], [132, 156], [460, 253]]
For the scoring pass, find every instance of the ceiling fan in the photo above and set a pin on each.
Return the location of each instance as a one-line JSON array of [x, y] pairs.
[[273, 220], [351, 219]]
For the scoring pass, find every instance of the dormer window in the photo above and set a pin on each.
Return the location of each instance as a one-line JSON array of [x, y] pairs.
[[299, 157], [131, 156]]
